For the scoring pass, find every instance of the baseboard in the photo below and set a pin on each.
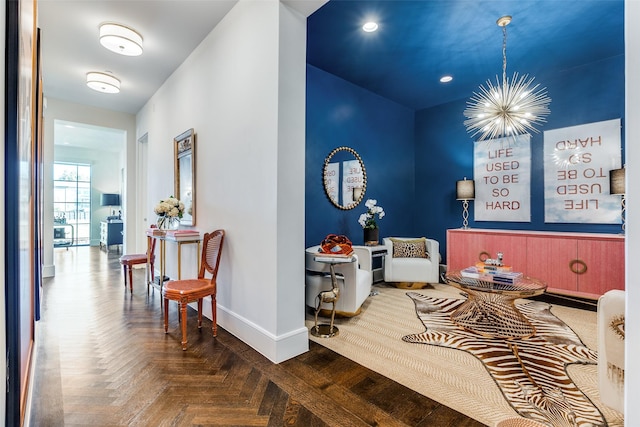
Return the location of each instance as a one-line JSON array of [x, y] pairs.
[[275, 348], [48, 271], [32, 376], [568, 301]]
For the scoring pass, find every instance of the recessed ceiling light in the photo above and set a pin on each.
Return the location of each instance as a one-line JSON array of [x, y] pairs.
[[120, 39], [370, 27], [103, 82], [445, 79]]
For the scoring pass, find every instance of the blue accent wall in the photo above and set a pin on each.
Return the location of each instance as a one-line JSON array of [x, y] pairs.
[[444, 150], [381, 132], [413, 159]]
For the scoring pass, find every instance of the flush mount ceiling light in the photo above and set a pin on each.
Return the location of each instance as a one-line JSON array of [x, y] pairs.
[[120, 39], [370, 27], [446, 79], [509, 109], [103, 82]]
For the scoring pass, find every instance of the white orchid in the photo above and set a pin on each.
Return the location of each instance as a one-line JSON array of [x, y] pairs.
[[368, 219]]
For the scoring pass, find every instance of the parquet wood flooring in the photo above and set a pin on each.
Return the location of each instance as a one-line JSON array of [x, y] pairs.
[[103, 359]]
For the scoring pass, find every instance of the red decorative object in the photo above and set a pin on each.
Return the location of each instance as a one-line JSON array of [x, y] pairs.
[[336, 245]]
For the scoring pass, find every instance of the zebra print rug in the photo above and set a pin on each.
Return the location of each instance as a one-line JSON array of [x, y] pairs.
[[531, 373]]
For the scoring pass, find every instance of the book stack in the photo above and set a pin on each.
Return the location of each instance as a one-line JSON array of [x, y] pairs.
[[491, 273], [493, 267], [333, 257], [182, 235], [155, 232]]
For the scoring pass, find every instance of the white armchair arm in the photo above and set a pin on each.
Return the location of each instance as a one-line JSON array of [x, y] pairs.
[[364, 257]]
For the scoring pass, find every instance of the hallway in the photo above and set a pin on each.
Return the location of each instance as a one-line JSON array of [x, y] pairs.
[[103, 360]]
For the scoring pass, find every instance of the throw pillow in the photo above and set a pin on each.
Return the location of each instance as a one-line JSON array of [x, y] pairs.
[[414, 248]]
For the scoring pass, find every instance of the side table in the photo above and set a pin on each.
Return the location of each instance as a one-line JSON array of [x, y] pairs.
[[329, 296], [376, 254]]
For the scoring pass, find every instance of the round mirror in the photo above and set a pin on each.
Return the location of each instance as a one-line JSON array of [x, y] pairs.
[[344, 178]]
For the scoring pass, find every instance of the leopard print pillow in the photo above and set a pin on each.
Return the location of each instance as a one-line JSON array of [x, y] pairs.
[[414, 248]]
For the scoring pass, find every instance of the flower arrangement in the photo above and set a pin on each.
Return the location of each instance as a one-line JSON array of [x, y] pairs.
[[368, 219], [170, 207]]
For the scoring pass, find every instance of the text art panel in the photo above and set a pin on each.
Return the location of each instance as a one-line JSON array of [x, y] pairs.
[[502, 174], [577, 161]]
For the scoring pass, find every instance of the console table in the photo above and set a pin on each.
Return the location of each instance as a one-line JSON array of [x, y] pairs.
[[584, 265], [163, 238]]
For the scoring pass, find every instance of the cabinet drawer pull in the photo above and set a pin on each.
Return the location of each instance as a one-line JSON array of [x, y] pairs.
[[484, 255], [578, 266]]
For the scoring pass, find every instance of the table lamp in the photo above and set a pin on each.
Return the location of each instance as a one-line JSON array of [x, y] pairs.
[[617, 179], [110, 199], [465, 191]]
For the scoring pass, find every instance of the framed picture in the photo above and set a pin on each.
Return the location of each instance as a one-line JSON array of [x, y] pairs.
[[185, 174], [577, 161], [502, 174]]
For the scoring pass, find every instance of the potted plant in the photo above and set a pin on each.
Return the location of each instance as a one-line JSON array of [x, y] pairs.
[[368, 222], [169, 212]]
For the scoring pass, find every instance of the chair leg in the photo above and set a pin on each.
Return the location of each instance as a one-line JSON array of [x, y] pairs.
[[200, 313], [130, 279], [183, 315], [166, 315], [124, 270], [214, 315]]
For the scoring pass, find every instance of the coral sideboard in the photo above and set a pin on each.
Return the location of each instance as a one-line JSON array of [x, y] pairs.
[[584, 265]]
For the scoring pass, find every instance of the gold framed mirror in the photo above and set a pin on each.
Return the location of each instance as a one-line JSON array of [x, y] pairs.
[[185, 174], [344, 178]]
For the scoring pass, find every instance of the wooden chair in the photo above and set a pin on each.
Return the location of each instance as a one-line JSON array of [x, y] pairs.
[[128, 261], [191, 290]]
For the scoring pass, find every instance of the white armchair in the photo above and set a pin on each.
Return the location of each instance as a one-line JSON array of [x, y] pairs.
[[611, 349], [411, 262], [354, 280]]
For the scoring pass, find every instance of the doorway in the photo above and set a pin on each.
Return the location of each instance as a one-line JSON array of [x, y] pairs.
[[71, 204]]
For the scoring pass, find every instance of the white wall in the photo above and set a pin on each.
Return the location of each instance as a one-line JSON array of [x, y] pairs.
[[243, 92], [62, 110], [632, 138]]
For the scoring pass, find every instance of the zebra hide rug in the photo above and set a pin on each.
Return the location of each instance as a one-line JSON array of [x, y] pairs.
[[531, 373]]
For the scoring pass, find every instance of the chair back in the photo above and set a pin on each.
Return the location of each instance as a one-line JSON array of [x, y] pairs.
[[211, 252], [152, 248]]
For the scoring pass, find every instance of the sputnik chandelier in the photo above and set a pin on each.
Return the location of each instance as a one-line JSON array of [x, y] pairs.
[[510, 109]]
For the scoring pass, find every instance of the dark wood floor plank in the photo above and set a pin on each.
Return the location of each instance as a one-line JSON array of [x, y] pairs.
[[104, 360]]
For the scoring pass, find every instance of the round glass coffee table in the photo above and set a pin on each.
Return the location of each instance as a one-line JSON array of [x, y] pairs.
[[490, 310]]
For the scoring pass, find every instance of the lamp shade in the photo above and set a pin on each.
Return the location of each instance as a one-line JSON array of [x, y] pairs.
[[103, 82], [616, 181], [110, 199], [465, 189], [120, 39]]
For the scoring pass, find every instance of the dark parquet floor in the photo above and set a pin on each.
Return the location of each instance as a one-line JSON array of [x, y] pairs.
[[103, 359]]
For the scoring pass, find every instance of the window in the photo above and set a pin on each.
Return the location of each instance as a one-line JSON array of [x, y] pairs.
[[71, 204]]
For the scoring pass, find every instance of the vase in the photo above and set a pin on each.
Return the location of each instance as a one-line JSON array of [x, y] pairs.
[[371, 236], [168, 222]]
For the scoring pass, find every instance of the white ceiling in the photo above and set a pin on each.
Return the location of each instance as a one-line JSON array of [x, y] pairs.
[[82, 135], [70, 47]]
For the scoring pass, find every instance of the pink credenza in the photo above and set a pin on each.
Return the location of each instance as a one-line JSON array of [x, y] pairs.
[[585, 265]]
